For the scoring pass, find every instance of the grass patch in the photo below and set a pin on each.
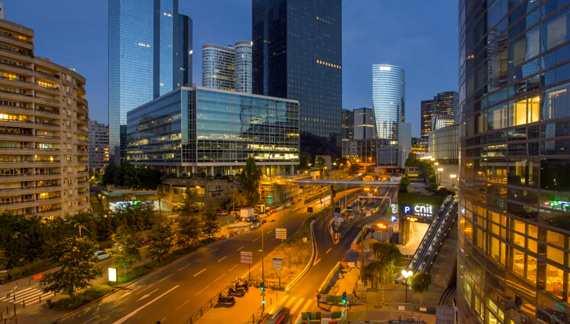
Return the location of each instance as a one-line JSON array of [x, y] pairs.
[[86, 296]]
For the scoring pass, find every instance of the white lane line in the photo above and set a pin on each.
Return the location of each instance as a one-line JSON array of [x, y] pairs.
[[162, 320], [328, 251], [198, 293], [133, 313], [238, 249], [186, 302], [233, 267], [87, 321], [268, 233], [117, 304], [255, 240], [290, 301], [170, 275], [200, 272], [294, 308], [148, 295], [145, 289], [307, 304], [184, 267], [222, 259], [220, 277]]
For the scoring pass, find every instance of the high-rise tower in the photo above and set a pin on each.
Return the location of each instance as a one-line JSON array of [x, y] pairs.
[[388, 93]]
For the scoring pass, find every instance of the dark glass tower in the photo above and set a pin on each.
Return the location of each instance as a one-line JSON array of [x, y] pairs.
[[444, 103], [514, 215], [297, 54], [150, 54]]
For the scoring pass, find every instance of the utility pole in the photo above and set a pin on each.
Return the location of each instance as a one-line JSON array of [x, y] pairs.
[[262, 256]]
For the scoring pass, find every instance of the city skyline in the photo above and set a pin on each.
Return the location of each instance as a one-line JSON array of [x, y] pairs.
[[363, 21]]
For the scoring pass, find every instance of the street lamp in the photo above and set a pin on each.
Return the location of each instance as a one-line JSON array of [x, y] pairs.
[[439, 170], [406, 275], [452, 176]]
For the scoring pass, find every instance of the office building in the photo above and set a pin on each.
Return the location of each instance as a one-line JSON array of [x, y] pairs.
[[388, 93], [347, 125], [364, 151], [444, 144], [364, 123], [206, 131], [420, 146], [297, 54], [98, 146], [514, 234], [441, 120], [227, 68], [44, 131], [150, 54], [443, 103]]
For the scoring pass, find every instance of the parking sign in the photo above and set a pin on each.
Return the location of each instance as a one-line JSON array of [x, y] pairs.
[[408, 210]]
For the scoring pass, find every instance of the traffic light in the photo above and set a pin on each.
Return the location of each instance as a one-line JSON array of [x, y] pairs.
[[262, 286], [344, 298], [263, 302]]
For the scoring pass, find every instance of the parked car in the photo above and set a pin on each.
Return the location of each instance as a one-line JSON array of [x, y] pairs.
[[101, 255]]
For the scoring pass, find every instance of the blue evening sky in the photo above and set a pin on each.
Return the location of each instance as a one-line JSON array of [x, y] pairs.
[[419, 35]]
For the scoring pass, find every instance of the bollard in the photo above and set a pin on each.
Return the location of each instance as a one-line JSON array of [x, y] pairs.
[[14, 310], [7, 311], [24, 303]]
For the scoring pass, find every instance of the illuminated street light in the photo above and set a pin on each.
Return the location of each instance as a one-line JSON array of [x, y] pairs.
[[406, 275]]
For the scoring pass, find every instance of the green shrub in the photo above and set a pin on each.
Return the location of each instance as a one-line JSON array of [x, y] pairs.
[[88, 295], [31, 268]]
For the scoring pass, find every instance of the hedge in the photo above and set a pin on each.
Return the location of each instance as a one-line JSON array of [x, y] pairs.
[[88, 295]]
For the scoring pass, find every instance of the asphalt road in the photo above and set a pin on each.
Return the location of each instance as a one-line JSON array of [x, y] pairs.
[[303, 296], [172, 294]]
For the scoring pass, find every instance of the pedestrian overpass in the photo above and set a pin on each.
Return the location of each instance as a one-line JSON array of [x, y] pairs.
[[358, 183]]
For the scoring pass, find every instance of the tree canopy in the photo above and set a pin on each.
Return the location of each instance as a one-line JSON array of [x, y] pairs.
[[250, 180], [128, 175]]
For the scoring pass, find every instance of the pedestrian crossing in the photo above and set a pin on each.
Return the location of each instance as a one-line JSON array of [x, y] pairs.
[[30, 295], [296, 305]]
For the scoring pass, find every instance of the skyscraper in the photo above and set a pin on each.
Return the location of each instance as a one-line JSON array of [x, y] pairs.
[[347, 125], [388, 93], [363, 123], [43, 131], [227, 68], [150, 54], [297, 54], [442, 103], [514, 95], [98, 146]]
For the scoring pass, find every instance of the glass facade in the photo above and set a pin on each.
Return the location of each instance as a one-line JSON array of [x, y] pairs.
[[243, 67], [514, 228], [388, 93], [364, 123], [444, 144], [218, 67], [443, 103], [297, 54], [347, 126], [145, 36], [191, 129]]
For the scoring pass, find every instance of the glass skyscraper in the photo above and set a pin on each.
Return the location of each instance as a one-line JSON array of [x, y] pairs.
[[388, 93], [150, 53], [514, 228], [443, 103], [297, 54], [227, 68]]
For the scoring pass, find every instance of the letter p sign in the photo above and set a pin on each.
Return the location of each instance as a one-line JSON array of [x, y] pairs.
[[407, 210]]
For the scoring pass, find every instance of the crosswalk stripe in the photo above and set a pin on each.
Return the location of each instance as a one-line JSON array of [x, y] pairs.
[[307, 304], [30, 295], [297, 305], [290, 302]]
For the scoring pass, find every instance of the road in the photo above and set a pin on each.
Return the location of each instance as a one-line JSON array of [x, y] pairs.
[[172, 294], [302, 297]]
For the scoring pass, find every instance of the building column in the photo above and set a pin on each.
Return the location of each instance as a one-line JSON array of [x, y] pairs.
[[211, 171]]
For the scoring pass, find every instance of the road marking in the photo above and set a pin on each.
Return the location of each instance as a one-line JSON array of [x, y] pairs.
[[198, 293], [290, 302], [268, 233], [315, 263], [200, 272], [87, 321], [184, 267], [222, 259], [147, 295], [162, 320], [233, 267], [145, 289], [133, 313], [125, 295], [240, 248], [117, 304], [294, 308], [328, 251], [256, 239], [220, 277], [307, 304], [170, 275], [186, 302]]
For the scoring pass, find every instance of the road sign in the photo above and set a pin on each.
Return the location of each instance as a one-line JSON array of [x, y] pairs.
[[394, 208], [394, 219], [246, 257], [281, 233], [277, 264]]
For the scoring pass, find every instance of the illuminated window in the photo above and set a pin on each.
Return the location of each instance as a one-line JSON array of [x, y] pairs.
[[9, 76], [554, 280], [518, 262]]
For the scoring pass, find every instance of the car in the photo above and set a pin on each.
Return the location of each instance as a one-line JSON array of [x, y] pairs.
[[101, 255]]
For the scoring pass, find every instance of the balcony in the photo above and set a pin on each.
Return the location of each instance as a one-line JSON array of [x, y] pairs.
[[46, 101]]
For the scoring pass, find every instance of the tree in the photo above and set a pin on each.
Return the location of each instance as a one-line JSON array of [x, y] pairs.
[[127, 252], [110, 174], [354, 168], [304, 160], [237, 200], [320, 162], [189, 204], [78, 266], [210, 222], [189, 228], [420, 283], [250, 179], [160, 238], [387, 256]]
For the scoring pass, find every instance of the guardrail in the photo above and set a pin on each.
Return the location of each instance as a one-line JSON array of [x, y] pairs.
[[207, 306], [309, 264]]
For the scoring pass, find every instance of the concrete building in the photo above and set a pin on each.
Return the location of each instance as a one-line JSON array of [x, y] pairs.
[[44, 158], [443, 103], [212, 132], [98, 146], [364, 123], [150, 54], [227, 68]]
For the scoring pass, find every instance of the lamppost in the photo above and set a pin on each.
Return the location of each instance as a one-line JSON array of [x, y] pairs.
[[439, 170], [406, 275], [452, 176]]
